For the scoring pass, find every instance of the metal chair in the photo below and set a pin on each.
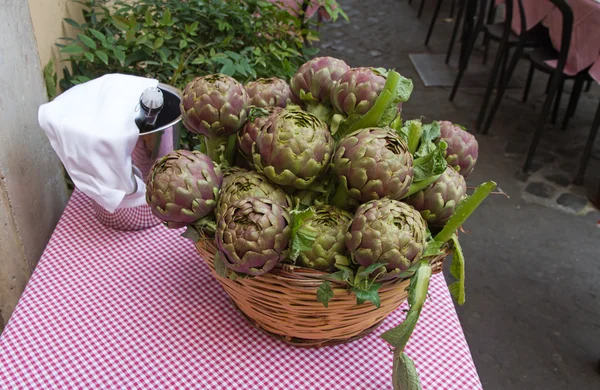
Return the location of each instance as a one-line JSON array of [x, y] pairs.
[[587, 151]]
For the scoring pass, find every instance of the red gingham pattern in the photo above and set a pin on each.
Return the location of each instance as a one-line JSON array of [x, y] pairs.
[[130, 218], [111, 309]]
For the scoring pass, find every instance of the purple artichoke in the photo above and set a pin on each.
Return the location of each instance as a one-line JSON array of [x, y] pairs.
[[329, 248], [437, 202], [316, 78], [357, 90], [371, 164], [293, 148], [463, 148], [183, 187], [253, 235], [271, 92], [214, 105], [387, 231], [241, 184], [249, 133]]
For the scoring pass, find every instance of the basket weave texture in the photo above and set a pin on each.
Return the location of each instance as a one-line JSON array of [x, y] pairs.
[[283, 303]]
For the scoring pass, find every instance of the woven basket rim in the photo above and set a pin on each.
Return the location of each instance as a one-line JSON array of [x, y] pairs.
[[290, 271]]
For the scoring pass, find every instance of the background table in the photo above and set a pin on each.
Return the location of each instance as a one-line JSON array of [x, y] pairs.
[[110, 309], [585, 40]]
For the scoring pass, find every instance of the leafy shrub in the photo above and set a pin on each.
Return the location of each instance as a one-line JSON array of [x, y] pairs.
[[174, 40]]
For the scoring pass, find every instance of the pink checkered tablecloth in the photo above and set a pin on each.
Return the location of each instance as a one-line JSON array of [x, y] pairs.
[[108, 309]]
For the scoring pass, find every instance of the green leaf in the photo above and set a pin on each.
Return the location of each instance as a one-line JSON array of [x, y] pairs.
[[183, 44], [324, 293], [220, 267], [72, 49], [89, 42], [411, 132], [457, 269], [228, 69], [89, 56], [464, 209], [158, 43], [417, 293], [404, 374], [430, 164], [148, 16], [365, 272], [50, 79], [370, 294], [431, 131], [101, 37], [199, 60], [120, 55], [102, 55], [120, 22], [434, 248], [303, 236], [72, 23]]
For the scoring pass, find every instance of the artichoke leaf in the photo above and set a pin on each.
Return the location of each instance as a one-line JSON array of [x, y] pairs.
[[457, 269], [464, 209], [303, 236], [404, 374], [417, 293]]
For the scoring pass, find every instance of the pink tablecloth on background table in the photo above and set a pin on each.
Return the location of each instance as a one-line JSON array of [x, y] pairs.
[[585, 41], [112, 309]]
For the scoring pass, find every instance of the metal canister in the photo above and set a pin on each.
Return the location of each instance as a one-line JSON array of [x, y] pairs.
[[162, 136]]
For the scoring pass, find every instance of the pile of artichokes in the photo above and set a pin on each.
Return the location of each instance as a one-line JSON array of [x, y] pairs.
[[322, 173]]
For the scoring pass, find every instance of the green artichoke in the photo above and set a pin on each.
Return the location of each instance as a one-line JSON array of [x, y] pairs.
[[329, 247], [183, 187], [253, 235], [357, 90], [437, 202], [371, 164], [271, 92], [316, 78], [387, 231], [249, 133], [242, 184], [293, 148], [214, 106], [463, 149]]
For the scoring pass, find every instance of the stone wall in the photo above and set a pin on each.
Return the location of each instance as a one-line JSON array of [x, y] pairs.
[[32, 189]]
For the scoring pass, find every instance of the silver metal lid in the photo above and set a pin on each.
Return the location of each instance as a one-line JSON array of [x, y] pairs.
[[152, 98]]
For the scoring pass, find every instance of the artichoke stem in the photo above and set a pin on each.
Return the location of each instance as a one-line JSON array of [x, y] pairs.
[[341, 199], [216, 148]]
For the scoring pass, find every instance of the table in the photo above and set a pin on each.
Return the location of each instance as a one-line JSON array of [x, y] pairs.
[[585, 41], [112, 309]]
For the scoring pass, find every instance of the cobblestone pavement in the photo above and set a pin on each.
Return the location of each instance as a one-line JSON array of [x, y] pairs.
[[532, 316]]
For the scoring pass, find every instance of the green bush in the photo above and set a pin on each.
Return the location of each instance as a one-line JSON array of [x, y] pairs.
[[174, 40]]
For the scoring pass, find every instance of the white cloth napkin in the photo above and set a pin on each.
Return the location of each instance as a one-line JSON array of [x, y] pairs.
[[92, 129]]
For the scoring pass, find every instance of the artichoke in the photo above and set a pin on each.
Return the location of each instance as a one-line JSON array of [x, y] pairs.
[[249, 133], [371, 164], [242, 184], [183, 187], [253, 235], [463, 148], [387, 231], [214, 106], [271, 92], [316, 78], [293, 148], [357, 90], [329, 247], [437, 202]]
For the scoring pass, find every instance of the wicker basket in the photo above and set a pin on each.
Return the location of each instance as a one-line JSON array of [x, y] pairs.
[[283, 304]]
